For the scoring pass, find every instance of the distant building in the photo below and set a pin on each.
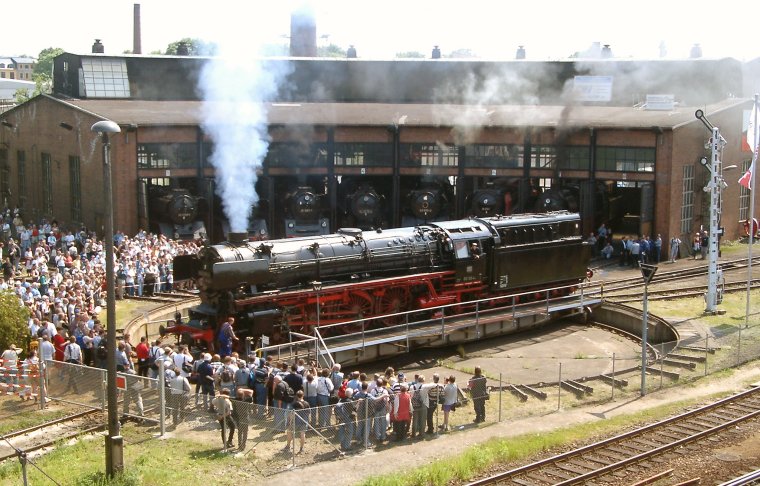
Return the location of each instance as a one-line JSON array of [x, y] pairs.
[[615, 140], [20, 68]]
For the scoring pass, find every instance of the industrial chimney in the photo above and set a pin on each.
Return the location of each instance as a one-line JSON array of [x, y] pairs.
[[303, 33], [436, 53], [520, 54], [97, 47], [136, 36]]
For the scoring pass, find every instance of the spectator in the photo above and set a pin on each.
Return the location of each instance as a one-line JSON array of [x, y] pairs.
[[450, 395], [479, 393], [223, 408]]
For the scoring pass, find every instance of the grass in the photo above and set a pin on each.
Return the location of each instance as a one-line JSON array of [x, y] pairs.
[[480, 458], [30, 418], [152, 462]]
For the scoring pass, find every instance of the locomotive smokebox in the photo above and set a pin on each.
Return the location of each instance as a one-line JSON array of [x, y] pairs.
[[237, 238]]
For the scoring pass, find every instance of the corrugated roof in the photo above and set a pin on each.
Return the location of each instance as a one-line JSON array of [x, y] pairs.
[[189, 113]]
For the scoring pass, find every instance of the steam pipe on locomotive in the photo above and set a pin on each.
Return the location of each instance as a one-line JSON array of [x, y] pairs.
[[367, 275]]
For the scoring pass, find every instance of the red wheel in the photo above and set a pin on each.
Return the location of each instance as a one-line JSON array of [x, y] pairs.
[[393, 301], [357, 308]]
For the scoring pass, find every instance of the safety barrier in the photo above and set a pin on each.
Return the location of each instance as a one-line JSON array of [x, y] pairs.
[[20, 378]]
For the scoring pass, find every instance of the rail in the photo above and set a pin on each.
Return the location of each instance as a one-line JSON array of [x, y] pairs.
[[405, 326]]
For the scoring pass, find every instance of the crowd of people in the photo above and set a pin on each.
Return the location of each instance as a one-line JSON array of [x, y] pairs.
[[60, 277], [300, 396], [633, 251]]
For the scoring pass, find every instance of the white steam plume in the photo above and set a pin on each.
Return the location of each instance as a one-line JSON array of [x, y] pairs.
[[235, 85]]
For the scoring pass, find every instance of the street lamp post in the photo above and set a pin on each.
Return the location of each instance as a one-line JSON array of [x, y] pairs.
[[647, 272], [114, 441]]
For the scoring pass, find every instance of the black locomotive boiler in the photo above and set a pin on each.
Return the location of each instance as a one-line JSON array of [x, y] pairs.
[[276, 286], [176, 212]]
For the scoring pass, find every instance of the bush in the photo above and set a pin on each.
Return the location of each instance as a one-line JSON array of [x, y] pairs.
[[14, 319]]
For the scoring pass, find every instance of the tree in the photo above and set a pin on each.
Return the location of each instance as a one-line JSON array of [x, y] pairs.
[[332, 50], [195, 47], [14, 319], [462, 54], [410, 55], [44, 66]]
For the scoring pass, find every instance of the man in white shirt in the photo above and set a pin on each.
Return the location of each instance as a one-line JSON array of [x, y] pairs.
[[72, 353], [47, 350]]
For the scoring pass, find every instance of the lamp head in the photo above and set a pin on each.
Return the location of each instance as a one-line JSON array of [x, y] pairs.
[[105, 126]]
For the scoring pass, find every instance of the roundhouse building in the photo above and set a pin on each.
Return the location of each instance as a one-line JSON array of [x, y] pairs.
[[387, 143]]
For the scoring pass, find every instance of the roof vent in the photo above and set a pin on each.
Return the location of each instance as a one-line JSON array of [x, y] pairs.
[[97, 47]]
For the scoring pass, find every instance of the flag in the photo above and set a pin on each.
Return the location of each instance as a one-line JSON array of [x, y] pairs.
[[752, 141], [746, 179]]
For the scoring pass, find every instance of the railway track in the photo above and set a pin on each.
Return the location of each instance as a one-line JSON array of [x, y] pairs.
[[678, 293], [49, 433], [637, 447], [613, 286]]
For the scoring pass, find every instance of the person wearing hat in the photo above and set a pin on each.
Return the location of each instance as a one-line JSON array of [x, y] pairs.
[[10, 357], [223, 408]]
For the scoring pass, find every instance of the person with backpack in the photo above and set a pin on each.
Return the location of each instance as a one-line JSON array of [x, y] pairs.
[[283, 398], [345, 413], [155, 353], [179, 392], [260, 375], [419, 407], [380, 401], [225, 376], [301, 417], [433, 393]]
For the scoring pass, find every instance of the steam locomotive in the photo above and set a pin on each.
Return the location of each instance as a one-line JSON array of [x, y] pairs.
[[276, 286], [176, 212]]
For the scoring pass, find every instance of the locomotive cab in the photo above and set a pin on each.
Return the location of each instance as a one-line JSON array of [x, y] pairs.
[[468, 241]]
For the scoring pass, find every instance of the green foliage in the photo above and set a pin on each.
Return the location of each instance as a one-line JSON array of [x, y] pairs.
[[44, 66], [410, 55], [462, 54], [195, 47], [13, 321], [331, 51], [125, 478]]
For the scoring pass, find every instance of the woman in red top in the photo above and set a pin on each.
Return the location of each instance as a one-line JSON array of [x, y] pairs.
[[402, 412], [59, 342]]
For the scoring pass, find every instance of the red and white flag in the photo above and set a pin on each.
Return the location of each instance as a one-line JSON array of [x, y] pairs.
[[752, 140]]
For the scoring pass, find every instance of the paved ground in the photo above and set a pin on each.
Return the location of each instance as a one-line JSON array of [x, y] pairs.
[[526, 358]]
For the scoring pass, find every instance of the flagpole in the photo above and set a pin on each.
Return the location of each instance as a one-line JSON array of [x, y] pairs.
[[752, 186]]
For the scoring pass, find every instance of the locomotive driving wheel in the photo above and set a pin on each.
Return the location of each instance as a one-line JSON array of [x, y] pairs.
[[392, 301], [357, 307]]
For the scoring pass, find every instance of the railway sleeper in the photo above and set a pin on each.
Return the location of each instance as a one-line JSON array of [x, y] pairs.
[[686, 357], [670, 374], [541, 478], [697, 349], [579, 392], [571, 468], [583, 387], [536, 393], [518, 393], [600, 460], [679, 364], [620, 383]]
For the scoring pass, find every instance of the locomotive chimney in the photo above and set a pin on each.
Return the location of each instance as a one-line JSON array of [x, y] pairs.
[[136, 37], [436, 52], [606, 52], [351, 52], [97, 47], [303, 33], [520, 54], [237, 239]]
